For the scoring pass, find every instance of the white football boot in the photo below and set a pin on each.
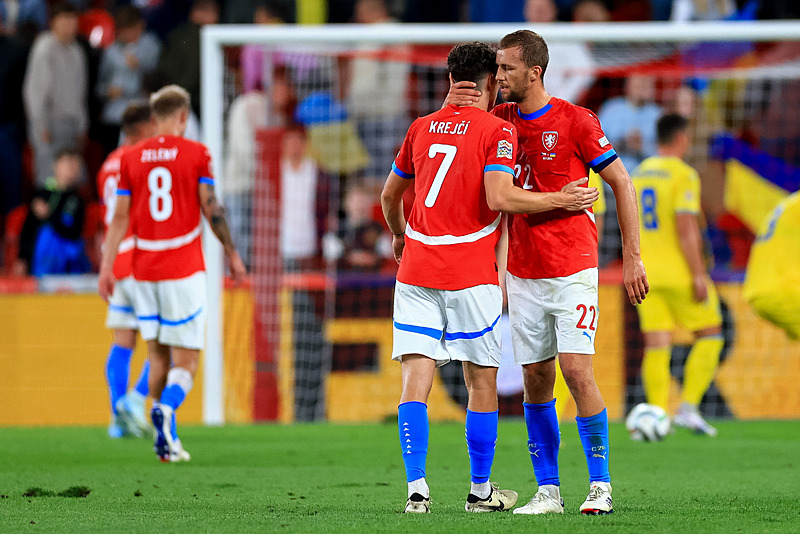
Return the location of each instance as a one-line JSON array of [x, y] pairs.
[[598, 502], [130, 410], [417, 504], [546, 501], [497, 501], [689, 417]]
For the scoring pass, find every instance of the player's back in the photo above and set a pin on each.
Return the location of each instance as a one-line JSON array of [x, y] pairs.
[[774, 263], [666, 187], [107, 182], [451, 230], [163, 174]]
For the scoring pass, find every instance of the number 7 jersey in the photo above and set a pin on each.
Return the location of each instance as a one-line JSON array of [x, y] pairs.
[[451, 232], [162, 176]]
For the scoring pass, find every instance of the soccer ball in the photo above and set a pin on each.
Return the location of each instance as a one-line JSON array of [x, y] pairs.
[[647, 422]]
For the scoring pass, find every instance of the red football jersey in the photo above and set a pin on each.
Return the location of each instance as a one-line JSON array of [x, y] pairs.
[[107, 182], [560, 143], [162, 175], [451, 232]]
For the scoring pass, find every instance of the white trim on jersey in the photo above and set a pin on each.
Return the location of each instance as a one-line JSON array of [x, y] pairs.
[[127, 245], [452, 239], [160, 245], [591, 216]]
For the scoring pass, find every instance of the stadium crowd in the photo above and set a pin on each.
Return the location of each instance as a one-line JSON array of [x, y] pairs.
[[69, 68]]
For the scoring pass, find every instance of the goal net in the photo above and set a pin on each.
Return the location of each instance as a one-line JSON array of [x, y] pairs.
[[304, 123]]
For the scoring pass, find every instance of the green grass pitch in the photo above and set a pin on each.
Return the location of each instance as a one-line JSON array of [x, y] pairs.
[[332, 478]]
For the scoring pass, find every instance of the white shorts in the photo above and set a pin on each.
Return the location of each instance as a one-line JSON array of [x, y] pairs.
[[173, 311], [448, 325], [121, 312], [550, 316]]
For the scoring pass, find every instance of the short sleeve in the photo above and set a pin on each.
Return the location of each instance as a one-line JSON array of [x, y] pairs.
[[687, 193], [593, 146], [205, 172], [403, 164], [124, 182], [501, 149]]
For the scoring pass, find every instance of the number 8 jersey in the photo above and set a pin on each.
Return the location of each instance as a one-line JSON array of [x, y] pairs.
[[162, 176], [451, 232]]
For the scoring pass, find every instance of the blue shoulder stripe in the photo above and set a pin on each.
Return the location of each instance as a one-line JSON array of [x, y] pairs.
[[400, 173], [499, 167]]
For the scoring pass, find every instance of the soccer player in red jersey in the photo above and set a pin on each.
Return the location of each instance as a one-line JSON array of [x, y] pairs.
[[165, 184], [552, 266], [447, 299], [127, 407]]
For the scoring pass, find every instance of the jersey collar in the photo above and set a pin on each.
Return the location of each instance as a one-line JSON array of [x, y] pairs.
[[536, 114]]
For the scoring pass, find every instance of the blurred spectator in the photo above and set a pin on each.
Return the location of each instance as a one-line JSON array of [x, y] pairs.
[[51, 241], [124, 64], [248, 113], [629, 121], [55, 90], [360, 243], [299, 182], [590, 11], [13, 59], [569, 72], [16, 13], [377, 97], [688, 10], [779, 9], [254, 58], [180, 57]]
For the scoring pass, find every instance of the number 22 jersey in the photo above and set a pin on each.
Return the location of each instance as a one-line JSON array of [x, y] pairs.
[[560, 143], [451, 232], [162, 175]]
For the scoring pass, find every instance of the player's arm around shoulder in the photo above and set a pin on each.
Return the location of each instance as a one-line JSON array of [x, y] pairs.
[[501, 193], [214, 212], [633, 272]]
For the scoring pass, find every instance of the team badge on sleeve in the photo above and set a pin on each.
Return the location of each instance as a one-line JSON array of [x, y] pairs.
[[505, 149]]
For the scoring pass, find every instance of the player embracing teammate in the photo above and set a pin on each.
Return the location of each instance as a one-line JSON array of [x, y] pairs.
[[552, 275], [448, 302], [165, 183]]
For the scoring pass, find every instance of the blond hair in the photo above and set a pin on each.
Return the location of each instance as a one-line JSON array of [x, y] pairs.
[[168, 100]]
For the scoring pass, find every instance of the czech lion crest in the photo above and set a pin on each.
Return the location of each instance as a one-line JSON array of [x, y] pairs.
[[549, 139]]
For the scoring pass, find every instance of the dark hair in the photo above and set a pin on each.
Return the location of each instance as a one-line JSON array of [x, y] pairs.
[[128, 17], [533, 49], [669, 126], [137, 112], [471, 61], [68, 151], [62, 8]]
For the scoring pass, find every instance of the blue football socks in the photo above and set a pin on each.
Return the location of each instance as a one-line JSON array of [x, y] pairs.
[[117, 365], [544, 440], [481, 433], [142, 388], [179, 384], [594, 436], [412, 420]]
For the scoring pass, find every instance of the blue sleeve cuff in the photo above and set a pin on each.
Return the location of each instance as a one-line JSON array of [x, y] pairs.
[[206, 180], [499, 167], [123, 192], [602, 161], [400, 173]]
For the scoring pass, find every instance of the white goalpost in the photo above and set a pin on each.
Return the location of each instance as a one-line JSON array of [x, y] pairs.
[[334, 39]]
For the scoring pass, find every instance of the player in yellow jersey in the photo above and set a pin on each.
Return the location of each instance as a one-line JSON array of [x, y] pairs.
[[680, 289], [772, 284]]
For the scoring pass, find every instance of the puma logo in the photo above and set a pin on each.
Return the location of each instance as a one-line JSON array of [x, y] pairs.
[[509, 130]]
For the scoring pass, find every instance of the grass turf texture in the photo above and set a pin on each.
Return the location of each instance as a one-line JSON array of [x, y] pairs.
[[331, 478]]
